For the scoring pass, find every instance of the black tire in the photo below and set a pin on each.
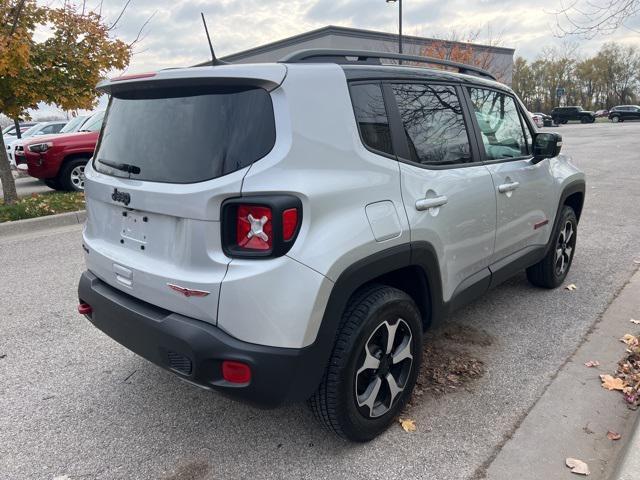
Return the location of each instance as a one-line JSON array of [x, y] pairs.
[[68, 178], [52, 183], [547, 273], [584, 120], [564, 121], [366, 320]]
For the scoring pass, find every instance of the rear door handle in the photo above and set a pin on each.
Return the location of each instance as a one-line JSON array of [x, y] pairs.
[[508, 187], [427, 203]]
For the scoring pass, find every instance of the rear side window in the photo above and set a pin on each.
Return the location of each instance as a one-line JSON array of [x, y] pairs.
[[185, 135], [433, 124], [371, 115]]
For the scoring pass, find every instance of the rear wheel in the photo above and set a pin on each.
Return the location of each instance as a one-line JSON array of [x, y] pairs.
[[374, 364], [551, 271], [584, 120], [71, 177]]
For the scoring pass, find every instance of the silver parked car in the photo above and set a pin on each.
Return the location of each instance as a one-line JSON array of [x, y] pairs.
[[286, 232]]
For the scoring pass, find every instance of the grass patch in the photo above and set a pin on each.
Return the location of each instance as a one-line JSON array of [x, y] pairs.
[[41, 205]]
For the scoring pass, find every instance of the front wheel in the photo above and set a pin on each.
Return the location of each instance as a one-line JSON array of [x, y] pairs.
[[615, 119], [374, 364], [551, 271]]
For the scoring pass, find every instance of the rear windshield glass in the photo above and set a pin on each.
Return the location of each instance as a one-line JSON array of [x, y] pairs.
[[185, 135]]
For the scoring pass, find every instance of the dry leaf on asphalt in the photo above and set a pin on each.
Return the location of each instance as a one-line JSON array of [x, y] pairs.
[[628, 339], [637, 261], [408, 425], [592, 363], [577, 466], [571, 287], [613, 435], [611, 383], [636, 322]]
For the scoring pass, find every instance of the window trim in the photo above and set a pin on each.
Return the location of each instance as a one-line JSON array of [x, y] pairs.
[[397, 127], [521, 115], [394, 146]]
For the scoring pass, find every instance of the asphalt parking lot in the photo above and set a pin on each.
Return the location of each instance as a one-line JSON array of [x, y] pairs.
[[76, 405]]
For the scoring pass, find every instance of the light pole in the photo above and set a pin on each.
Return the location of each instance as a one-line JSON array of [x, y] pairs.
[[399, 23]]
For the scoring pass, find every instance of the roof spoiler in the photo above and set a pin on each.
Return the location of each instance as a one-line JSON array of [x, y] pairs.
[[358, 57]]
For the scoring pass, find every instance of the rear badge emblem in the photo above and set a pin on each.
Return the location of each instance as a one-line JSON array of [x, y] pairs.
[[188, 292], [121, 197]]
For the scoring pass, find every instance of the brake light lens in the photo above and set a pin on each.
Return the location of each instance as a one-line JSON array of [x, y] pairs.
[[236, 372], [254, 227], [260, 226]]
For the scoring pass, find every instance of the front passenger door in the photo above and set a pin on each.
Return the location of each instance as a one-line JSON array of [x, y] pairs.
[[526, 203]]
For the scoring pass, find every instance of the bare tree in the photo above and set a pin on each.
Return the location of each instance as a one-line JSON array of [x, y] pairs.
[[589, 18]]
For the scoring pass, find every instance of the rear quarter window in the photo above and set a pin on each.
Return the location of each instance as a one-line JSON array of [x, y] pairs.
[[185, 135], [371, 115]]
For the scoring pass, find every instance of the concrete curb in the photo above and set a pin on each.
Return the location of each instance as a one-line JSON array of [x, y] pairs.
[[629, 461], [42, 223]]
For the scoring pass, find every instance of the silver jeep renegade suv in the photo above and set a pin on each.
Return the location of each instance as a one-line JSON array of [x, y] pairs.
[[286, 232]]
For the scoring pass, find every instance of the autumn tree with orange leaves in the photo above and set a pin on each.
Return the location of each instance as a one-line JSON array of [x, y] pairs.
[[62, 69]]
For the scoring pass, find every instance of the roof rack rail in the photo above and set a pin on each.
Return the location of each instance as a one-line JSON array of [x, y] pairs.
[[331, 55]]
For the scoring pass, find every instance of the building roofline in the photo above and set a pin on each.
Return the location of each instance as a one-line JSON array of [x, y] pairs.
[[352, 32]]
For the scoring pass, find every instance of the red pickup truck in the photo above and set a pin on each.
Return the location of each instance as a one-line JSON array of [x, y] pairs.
[[59, 160]]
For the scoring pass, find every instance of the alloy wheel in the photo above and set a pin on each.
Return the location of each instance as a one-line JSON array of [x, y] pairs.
[[564, 249], [77, 177], [384, 368]]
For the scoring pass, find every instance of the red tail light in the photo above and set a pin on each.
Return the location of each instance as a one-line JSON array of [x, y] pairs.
[[254, 227], [236, 372], [260, 226]]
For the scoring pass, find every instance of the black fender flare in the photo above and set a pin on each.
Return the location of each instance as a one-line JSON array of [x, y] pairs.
[[419, 254], [576, 186]]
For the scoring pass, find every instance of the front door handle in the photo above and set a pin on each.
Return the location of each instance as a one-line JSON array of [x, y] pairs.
[[427, 203], [508, 187]]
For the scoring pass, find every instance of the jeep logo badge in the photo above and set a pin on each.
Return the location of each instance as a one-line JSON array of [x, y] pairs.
[[122, 197]]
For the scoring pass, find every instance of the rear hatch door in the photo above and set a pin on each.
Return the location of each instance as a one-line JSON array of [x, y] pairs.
[[172, 149]]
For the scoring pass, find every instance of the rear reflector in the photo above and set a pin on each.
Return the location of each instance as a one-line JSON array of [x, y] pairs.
[[289, 223], [236, 372], [84, 309]]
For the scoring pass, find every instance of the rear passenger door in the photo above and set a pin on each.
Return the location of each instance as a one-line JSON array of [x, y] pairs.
[[447, 192], [526, 204]]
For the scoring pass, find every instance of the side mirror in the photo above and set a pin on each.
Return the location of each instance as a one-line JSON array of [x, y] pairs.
[[546, 145]]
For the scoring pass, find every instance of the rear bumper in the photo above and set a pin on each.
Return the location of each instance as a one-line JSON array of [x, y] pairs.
[[194, 350]]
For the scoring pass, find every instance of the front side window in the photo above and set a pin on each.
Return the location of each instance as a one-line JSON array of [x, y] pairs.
[[433, 123], [500, 126], [371, 115]]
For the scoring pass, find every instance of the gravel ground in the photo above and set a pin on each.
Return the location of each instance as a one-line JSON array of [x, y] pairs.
[[76, 405]]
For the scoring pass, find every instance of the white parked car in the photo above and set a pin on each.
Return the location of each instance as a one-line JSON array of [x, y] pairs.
[[288, 231], [39, 129], [537, 119]]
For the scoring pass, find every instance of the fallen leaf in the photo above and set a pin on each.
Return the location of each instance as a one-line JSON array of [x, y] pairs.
[[628, 339], [592, 363], [637, 261], [636, 322], [571, 287], [408, 425], [613, 435], [577, 466], [611, 383]]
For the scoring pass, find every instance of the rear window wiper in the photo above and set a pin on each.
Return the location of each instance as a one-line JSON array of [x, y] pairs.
[[125, 167]]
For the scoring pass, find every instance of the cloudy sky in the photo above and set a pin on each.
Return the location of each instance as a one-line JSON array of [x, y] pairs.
[[175, 37]]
